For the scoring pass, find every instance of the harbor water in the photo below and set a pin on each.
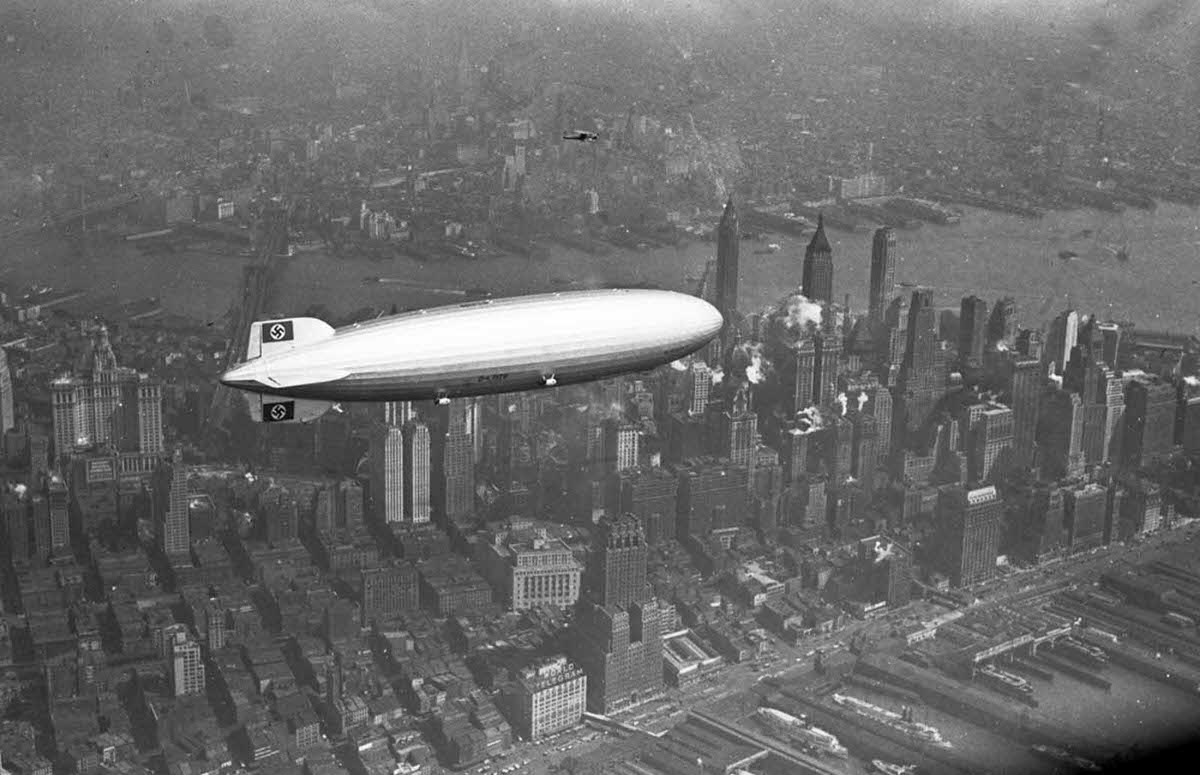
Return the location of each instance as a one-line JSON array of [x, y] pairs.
[[988, 253]]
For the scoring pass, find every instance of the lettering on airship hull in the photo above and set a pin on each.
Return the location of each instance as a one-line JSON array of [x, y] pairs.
[[277, 331], [280, 411]]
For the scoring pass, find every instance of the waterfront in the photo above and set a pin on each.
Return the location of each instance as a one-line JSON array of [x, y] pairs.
[[1136, 710], [988, 253]]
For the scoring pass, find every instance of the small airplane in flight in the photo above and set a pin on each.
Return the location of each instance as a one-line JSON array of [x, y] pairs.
[[582, 136]]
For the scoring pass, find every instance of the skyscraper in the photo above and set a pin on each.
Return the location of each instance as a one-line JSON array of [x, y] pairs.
[[58, 497], [879, 404], [7, 417], [829, 357], [883, 272], [972, 330], [1060, 434], [1084, 516], [458, 462], [14, 509], [388, 591], [729, 240], [387, 473], [620, 650], [1036, 528], [620, 445], [818, 266], [699, 387], [1002, 325], [993, 440], [618, 568], [214, 625], [1025, 390], [866, 449], [794, 448], [396, 413], [969, 524], [1110, 339], [738, 431], [652, 496], [1149, 420], [804, 378], [1187, 417], [106, 404], [921, 380], [417, 500], [187, 668], [171, 506], [1114, 414], [1064, 333]]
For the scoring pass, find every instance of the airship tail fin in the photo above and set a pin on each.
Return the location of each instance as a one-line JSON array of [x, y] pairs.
[[274, 336], [265, 407]]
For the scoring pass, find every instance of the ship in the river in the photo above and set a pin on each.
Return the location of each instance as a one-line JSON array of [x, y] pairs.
[[1004, 681], [1079, 763], [903, 723], [887, 768], [785, 223], [923, 209], [1077, 650], [834, 216], [801, 732], [883, 215]]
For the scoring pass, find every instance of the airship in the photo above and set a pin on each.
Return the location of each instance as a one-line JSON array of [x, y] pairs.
[[296, 369]]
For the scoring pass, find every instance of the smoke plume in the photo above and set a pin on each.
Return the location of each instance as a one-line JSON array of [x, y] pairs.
[[679, 365], [756, 368], [801, 313], [862, 401], [717, 376], [1002, 346], [883, 552], [809, 419], [1192, 381], [844, 401]]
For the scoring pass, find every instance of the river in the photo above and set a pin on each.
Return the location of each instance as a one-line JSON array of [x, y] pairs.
[[990, 254]]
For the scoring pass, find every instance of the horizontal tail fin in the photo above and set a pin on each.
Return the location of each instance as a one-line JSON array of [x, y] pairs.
[[272, 336], [265, 407]]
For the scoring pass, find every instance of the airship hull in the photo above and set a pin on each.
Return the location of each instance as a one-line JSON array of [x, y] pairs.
[[493, 346]]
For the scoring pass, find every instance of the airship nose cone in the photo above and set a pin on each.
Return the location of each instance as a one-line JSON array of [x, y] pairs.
[[706, 318]]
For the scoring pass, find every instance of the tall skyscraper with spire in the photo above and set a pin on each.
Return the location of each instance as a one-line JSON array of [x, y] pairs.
[[818, 266], [883, 272], [729, 238]]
